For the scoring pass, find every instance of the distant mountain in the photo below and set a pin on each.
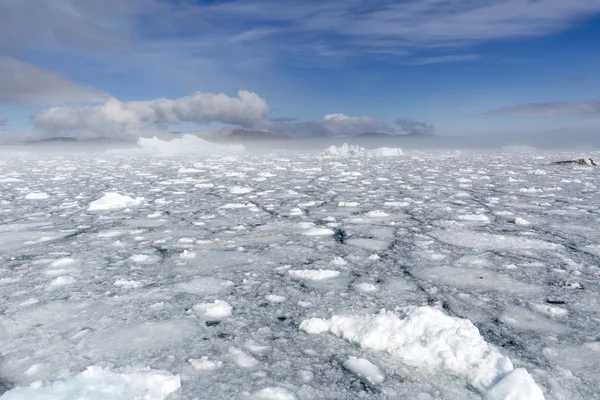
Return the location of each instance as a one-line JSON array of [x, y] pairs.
[[419, 134], [245, 134], [72, 139], [374, 135]]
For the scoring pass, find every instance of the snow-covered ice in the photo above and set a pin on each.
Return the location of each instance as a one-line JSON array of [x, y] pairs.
[[203, 266], [97, 383], [114, 201], [218, 309]]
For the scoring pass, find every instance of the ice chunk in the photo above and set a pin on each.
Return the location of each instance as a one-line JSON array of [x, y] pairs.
[[273, 393], [217, 309], [242, 359], [204, 364], [314, 275], [426, 338], [275, 298], [365, 370], [36, 196], [97, 383], [240, 190], [125, 284], [114, 201], [517, 385], [318, 232]]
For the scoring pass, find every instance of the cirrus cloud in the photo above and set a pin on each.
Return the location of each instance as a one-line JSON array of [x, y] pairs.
[[30, 85], [586, 108]]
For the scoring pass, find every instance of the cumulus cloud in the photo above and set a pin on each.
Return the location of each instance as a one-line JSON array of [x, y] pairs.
[[128, 119], [411, 127], [343, 125], [27, 84], [333, 125], [587, 108]]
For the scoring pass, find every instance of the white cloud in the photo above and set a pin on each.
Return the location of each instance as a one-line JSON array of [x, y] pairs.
[[330, 125], [419, 21], [446, 59], [587, 108], [343, 125], [410, 126], [2, 120], [127, 119], [27, 84]]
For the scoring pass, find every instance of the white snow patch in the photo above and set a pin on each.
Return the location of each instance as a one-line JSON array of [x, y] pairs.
[[318, 232], [365, 287], [140, 258], [97, 383], [187, 255], [517, 385], [377, 214], [205, 365], [273, 393], [425, 338], [240, 190], [63, 280], [217, 309], [521, 221], [36, 196], [365, 370], [242, 359], [114, 201], [274, 298], [125, 284], [314, 275], [62, 262]]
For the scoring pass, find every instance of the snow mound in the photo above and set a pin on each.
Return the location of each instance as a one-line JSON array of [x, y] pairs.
[[217, 309], [314, 275], [346, 150], [428, 339], [114, 201], [97, 383], [188, 144]]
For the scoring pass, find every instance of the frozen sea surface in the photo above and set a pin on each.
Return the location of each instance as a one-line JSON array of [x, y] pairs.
[[205, 268]]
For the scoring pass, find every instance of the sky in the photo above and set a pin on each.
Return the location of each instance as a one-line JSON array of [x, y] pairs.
[[121, 69]]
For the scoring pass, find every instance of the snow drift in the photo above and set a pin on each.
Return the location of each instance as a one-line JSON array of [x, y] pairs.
[[97, 383], [427, 338], [346, 150]]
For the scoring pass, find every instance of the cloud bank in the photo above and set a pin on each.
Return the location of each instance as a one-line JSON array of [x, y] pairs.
[[411, 127], [587, 108], [128, 119]]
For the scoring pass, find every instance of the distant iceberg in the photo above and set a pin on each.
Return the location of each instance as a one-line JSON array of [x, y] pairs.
[[346, 150], [186, 144]]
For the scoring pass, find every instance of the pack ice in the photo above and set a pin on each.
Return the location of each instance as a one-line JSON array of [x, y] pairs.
[[212, 275]]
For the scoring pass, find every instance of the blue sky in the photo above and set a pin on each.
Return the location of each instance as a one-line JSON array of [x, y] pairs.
[[481, 67]]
